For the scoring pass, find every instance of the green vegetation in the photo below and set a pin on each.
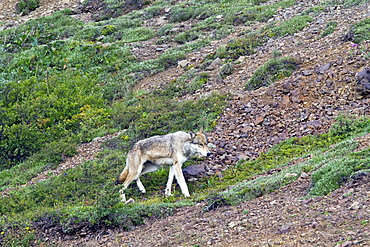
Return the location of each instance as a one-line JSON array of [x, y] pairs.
[[252, 39], [65, 81], [329, 29], [361, 31], [332, 159], [26, 6], [273, 70], [345, 3]]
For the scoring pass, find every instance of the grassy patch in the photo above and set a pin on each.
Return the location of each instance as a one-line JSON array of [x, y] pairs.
[[361, 31], [253, 39], [346, 3], [59, 25], [329, 28], [290, 26], [26, 6], [273, 70]]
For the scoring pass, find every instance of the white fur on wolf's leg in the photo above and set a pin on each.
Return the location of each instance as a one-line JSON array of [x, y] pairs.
[[168, 193], [140, 185], [181, 180], [129, 201], [171, 175], [123, 197]]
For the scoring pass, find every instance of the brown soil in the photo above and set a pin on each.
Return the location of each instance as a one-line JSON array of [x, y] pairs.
[[305, 103]]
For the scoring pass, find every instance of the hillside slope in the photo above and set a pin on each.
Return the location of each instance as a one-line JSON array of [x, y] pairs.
[[305, 103]]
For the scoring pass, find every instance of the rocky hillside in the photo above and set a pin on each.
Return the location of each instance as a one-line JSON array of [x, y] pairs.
[[305, 103]]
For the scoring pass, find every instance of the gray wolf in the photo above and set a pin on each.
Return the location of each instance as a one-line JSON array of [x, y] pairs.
[[172, 149]]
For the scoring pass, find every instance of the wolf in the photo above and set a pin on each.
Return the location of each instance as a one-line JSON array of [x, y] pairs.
[[172, 149]]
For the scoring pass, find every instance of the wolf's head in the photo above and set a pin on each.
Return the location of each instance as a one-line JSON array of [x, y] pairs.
[[199, 143]]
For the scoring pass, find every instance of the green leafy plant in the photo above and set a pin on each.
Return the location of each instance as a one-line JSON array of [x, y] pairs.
[[21, 235]]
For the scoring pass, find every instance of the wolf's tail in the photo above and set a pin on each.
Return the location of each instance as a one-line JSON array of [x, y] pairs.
[[122, 177]]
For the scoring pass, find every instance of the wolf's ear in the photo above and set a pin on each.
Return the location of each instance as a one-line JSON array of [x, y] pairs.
[[192, 134], [201, 130]]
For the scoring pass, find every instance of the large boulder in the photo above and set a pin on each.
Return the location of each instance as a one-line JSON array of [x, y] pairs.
[[194, 171], [363, 82]]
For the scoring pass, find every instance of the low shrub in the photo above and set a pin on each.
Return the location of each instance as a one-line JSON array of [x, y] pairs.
[[181, 13], [273, 70], [26, 6], [289, 26], [226, 70], [361, 31]]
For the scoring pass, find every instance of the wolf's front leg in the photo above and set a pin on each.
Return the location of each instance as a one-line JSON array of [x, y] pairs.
[[180, 179], [171, 175], [122, 195]]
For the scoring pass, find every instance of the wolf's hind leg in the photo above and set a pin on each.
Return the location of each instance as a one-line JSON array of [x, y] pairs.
[[171, 175], [123, 198], [140, 185]]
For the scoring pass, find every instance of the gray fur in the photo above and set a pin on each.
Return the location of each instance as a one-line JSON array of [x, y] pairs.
[[172, 149]]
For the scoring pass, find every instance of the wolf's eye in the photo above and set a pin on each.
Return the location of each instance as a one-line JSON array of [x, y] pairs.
[[201, 144]]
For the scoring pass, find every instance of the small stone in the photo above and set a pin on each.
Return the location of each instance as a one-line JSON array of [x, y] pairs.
[[304, 175], [307, 72], [323, 69], [194, 170], [274, 202], [363, 82], [346, 244], [258, 120], [284, 229], [183, 63], [215, 64], [232, 224], [355, 206]]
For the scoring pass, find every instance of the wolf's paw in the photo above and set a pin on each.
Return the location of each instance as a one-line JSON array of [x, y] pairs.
[[129, 201], [123, 197]]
